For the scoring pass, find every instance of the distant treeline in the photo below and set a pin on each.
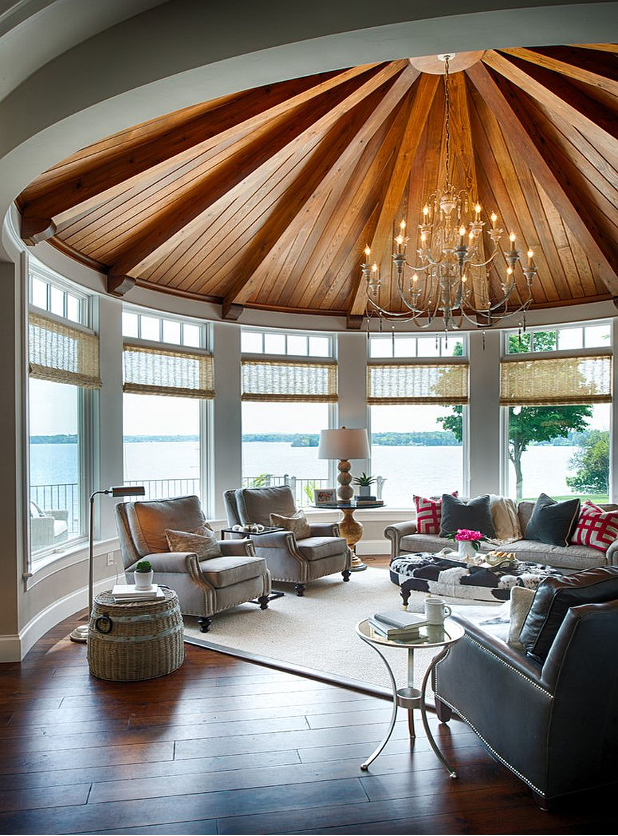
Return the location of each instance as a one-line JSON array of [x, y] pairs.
[[432, 438]]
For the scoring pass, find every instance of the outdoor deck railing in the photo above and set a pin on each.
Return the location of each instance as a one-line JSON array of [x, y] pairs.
[[63, 496]]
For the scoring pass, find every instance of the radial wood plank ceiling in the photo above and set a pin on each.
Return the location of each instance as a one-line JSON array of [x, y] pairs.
[[266, 198]]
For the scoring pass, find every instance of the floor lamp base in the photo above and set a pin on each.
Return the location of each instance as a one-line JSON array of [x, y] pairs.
[[80, 634]]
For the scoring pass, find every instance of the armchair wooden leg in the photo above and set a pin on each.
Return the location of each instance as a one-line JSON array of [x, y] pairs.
[[346, 575], [300, 589], [204, 624], [443, 711], [263, 601]]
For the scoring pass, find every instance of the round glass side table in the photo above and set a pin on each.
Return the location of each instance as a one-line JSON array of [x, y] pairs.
[[409, 697]]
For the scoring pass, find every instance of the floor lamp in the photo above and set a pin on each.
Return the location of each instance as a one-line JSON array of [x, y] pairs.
[[80, 633]]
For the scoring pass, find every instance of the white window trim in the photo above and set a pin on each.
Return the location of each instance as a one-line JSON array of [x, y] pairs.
[[289, 333], [204, 326], [560, 352]]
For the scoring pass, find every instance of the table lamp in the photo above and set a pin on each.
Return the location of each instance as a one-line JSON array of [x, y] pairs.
[[80, 633], [344, 444]]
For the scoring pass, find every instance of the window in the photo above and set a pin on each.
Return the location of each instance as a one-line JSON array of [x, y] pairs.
[[167, 394], [63, 367], [418, 412], [406, 345], [285, 405], [557, 415], [418, 449], [296, 344], [162, 329], [564, 338]]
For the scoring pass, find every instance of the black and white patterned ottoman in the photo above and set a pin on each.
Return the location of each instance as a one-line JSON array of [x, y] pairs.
[[424, 572]]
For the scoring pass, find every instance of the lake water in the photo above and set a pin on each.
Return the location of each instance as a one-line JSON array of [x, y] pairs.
[[408, 470]]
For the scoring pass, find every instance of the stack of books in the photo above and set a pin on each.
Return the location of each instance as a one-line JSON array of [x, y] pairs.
[[397, 625], [124, 592]]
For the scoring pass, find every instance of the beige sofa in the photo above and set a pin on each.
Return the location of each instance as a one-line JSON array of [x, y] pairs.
[[404, 539]]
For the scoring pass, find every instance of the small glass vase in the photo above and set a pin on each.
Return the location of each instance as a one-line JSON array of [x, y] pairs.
[[466, 551]]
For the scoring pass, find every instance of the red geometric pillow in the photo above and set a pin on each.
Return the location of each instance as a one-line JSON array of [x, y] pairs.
[[595, 527], [428, 514]]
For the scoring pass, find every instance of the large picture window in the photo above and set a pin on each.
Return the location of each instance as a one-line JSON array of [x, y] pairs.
[[63, 367], [286, 402], [168, 385], [556, 392]]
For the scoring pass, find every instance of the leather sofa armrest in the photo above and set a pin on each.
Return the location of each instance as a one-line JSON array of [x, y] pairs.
[[325, 530], [510, 657], [396, 531], [168, 562], [241, 548]]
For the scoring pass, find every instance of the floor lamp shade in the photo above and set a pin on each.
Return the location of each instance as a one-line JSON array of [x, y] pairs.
[[344, 444], [80, 633]]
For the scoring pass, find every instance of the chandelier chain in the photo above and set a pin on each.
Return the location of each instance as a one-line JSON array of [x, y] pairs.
[[447, 113]]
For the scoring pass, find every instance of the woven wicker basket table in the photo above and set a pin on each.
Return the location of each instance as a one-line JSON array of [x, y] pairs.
[[135, 640]]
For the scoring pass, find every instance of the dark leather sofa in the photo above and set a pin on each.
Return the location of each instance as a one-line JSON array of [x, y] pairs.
[[554, 724]]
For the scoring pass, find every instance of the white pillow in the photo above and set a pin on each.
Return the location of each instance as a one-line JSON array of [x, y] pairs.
[[521, 601]]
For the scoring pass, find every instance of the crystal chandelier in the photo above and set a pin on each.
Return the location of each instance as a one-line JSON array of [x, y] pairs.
[[450, 276]]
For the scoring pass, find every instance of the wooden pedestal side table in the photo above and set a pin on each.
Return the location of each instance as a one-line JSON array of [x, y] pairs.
[[409, 697], [351, 528], [131, 641]]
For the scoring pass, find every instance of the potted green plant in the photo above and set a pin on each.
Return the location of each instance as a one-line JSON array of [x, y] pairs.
[[142, 574], [364, 483]]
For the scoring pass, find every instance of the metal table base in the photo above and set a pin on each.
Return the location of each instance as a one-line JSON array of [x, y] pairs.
[[410, 698]]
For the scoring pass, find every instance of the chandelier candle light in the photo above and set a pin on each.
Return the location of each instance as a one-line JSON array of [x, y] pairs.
[[450, 276]]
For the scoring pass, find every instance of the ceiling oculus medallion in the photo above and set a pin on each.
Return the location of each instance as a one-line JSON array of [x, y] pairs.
[[267, 198]]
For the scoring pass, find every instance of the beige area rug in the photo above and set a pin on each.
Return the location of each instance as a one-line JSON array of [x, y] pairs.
[[318, 630]]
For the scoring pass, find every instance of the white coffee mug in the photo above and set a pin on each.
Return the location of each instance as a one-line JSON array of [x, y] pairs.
[[436, 610]]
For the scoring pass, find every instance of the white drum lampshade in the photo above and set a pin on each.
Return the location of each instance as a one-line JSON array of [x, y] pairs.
[[344, 444]]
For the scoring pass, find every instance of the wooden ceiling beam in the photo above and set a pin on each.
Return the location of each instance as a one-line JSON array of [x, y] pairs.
[[119, 285], [572, 63], [553, 179], [295, 127], [33, 230], [560, 97], [419, 111], [335, 150], [101, 179]]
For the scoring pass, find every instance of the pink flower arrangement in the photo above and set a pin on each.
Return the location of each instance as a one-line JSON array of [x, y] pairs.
[[467, 535]]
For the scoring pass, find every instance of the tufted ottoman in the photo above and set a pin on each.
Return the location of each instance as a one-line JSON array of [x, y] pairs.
[[424, 572]]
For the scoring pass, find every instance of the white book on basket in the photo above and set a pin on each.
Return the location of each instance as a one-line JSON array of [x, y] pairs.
[[128, 591], [400, 620]]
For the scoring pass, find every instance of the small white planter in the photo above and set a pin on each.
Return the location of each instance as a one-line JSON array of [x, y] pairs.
[[466, 551], [143, 580]]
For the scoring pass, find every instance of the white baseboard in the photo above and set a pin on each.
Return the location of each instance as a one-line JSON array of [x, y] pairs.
[[373, 547], [13, 648]]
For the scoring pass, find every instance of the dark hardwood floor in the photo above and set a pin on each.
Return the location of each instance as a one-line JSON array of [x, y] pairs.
[[226, 746]]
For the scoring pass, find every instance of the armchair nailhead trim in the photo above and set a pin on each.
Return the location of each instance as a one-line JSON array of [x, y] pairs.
[[491, 748]]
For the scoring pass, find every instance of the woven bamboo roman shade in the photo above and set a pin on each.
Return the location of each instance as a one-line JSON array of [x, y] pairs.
[[441, 384], [160, 371], [300, 381], [62, 353], [557, 380]]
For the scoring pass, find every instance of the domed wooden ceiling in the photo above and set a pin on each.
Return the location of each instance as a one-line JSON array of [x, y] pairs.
[[266, 198]]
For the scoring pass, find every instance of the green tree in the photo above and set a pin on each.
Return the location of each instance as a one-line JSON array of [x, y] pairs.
[[592, 463], [530, 424]]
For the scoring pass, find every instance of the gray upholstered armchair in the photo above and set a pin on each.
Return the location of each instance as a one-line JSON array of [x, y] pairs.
[[553, 723], [204, 587], [290, 560]]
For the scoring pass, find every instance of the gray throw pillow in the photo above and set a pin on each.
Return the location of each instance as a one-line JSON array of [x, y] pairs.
[[297, 524], [552, 522], [204, 544], [474, 514]]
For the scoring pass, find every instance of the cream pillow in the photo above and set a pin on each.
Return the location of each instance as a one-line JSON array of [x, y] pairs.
[[521, 601], [204, 544], [297, 524]]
